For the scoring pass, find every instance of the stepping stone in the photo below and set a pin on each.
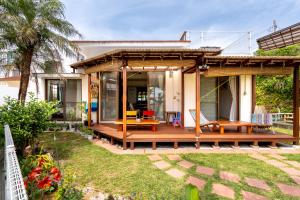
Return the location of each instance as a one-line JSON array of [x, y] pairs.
[[296, 179], [205, 170], [162, 164], [277, 156], [199, 183], [175, 173], [174, 157], [258, 156], [289, 190], [293, 163], [185, 164], [260, 184], [252, 196], [291, 171], [223, 190], [230, 176], [276, 163], [154, 157]]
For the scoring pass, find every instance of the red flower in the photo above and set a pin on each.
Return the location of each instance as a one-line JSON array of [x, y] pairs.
[[45, 183], [41, 162], [33, 175], [26, 184], [37, 170], [54, 170], [57, 177]]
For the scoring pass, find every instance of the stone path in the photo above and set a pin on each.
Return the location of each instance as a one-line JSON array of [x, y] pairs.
[[292, 168]]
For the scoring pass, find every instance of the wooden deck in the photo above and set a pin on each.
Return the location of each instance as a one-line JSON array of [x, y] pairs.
[[167, 133]]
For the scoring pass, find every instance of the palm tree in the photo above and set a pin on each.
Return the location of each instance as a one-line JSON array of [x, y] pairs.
[[35, 28]]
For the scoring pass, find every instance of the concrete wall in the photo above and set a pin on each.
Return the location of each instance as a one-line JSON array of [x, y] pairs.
[[189, 98], [245, 97], [173, 91]]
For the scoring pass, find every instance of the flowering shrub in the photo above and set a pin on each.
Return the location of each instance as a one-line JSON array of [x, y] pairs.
[[40, 175]]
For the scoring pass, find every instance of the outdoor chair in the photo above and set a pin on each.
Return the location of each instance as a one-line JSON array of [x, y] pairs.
[[177, 120], [204, 122], [132, 114], [148, 114], [262, 121]]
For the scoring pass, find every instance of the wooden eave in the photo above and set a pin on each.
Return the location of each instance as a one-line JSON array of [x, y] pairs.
[[146, 55]]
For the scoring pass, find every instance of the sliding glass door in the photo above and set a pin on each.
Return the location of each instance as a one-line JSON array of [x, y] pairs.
[[109, 96], [156, 93]]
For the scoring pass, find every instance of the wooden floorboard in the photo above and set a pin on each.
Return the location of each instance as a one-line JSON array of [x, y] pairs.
[[167, 133]]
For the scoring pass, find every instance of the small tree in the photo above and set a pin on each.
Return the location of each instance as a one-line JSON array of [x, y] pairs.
[[26, 120]]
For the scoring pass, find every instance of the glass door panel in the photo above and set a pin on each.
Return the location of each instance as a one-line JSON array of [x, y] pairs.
[[109, 96], [156, 93]]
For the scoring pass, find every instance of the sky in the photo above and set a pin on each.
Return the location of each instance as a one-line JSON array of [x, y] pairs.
[[167, 19]]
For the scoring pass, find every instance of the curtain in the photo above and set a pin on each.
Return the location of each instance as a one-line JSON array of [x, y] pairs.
[[232, 84]]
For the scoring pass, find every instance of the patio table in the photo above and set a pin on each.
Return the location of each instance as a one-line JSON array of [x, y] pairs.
[[151, 122], [238, 124]]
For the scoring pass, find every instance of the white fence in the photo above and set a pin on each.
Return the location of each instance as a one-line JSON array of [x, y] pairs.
[[14, 185]]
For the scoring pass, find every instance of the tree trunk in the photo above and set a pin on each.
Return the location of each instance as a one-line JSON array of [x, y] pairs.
[[25, 69]]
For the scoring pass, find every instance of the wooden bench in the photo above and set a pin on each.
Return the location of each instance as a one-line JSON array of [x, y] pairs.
[[238, 124]]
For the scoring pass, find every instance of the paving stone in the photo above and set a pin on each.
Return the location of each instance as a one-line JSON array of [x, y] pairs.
[[174, 157], [258, 156], [257, 183], [252, 196], [199, 183], [293, 163], [230, 176], [277, 156], [205, 170], [185, 164], [223, 190], [289, 190], [176, 173], [291, 171], [296, 179], [162, 164], [276, 163], [154, 157]]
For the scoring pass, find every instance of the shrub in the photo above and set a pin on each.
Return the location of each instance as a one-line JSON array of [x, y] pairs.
[[26, 120], [41, 176], [68, 191]]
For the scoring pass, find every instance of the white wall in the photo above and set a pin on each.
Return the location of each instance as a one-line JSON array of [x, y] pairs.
[[173, 91], [245, 97], [189, 98], [8, 88]]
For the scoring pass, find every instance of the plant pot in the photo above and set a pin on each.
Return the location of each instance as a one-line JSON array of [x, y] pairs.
[[90, 137]]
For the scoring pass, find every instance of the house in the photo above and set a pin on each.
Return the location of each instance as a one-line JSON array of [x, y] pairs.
[[165, 77]]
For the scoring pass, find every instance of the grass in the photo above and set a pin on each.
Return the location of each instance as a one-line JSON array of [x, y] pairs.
[[128, 174], [293, 157]]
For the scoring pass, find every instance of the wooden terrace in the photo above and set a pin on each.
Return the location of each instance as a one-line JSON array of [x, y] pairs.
[[169, 134]]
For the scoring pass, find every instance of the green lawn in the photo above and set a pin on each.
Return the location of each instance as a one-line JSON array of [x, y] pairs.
[[127, 174], [294, 157]]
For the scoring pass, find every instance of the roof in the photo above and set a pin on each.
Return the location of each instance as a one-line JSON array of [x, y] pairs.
[[131, 41], [281, 38], [12, 78], [146, 53]]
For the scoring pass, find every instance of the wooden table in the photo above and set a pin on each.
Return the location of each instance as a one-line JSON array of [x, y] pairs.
[[238, 124], [151, 122]]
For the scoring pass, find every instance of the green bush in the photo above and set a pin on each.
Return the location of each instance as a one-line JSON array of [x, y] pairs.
[[68, 191], [26, 119]]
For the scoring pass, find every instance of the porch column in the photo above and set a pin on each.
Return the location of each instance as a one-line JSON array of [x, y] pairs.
[[182, 98], [198, 130], [98, 98], [124, 65], [89, 100], [253, 92], [296, 104]]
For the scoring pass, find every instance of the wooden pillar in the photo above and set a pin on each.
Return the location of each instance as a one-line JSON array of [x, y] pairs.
[[253, 92], [124, 104], [98, 98], [198, 130], [296, 104], [182, 99], [89, 100]]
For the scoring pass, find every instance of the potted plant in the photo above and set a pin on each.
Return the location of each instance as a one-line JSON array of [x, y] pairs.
[[89, 134]]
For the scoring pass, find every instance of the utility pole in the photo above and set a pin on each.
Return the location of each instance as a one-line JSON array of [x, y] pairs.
[[274, 25]]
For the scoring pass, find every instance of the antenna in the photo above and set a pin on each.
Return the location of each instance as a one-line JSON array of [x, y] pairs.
[[274, 25]]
